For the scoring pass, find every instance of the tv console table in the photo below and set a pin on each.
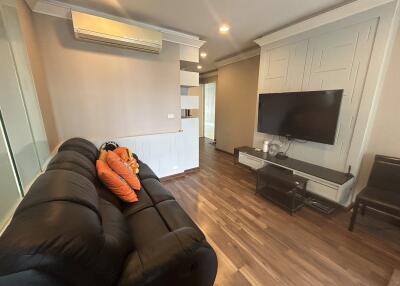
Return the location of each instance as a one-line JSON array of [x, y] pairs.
[[327, 183]]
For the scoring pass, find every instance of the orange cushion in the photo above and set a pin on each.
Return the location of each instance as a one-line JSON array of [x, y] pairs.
[[115, 183], [123, 153], [123, 169], [103, 156], [126, 155]]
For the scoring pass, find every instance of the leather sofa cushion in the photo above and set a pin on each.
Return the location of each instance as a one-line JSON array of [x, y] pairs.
[[48, 238], [29, 278], [175, 217], [146, 226], [109, 196], [82, 146], [61, 228], [156, 191], [61, 185], [170, 260], [143, 203], [145, 172], [117, 241], [74, 161]]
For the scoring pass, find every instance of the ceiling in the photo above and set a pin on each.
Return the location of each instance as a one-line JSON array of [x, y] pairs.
[[248, 19]]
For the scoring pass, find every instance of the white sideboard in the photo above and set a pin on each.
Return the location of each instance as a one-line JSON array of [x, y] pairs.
[[330, 184]]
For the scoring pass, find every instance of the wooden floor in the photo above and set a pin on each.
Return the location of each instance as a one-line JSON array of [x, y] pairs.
[[257, 243]]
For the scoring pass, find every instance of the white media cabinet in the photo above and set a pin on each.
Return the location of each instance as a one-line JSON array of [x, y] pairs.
[[327, 183]]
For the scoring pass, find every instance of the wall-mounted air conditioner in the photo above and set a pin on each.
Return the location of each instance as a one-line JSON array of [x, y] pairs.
[[110, 32]]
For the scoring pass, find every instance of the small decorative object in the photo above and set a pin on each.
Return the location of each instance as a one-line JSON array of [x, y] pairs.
[[273, 149], [265, 146], [109, 146]]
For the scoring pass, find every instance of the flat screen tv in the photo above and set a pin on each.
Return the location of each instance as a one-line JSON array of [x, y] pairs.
[[305, 115]]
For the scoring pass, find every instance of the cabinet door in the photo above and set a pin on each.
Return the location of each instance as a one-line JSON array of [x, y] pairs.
[[190, 127]]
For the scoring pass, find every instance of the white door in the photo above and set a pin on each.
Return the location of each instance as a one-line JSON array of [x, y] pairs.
[[209, 110]]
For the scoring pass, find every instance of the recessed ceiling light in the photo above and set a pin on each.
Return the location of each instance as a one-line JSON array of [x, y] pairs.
[[223, 29], [203, 54], [199, 67]]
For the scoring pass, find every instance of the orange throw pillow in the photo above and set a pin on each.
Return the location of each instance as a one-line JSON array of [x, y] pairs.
[[103, 156], [115, 183], [123, 153], [126, 155], [124, 170]]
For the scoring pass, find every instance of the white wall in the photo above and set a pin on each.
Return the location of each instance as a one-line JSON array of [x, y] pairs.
[[100, 92], [385, 135], [334, 56]]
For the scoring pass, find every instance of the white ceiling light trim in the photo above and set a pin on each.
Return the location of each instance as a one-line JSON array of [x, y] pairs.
[[328, 17], [63, 10], [239, 57]]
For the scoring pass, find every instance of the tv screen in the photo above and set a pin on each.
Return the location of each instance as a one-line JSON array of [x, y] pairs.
[[305, 115]]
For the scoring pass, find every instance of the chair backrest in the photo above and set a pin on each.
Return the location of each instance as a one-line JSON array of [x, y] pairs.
[[385, 173]]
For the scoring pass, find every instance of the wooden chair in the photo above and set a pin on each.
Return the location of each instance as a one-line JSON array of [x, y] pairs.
[[383, 190]]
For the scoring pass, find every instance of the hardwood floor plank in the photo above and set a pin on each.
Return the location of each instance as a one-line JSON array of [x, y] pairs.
[[257, 243]]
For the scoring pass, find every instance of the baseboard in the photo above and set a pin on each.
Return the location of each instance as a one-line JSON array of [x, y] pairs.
[[223, 151], [180, 175], [188, 171], [175, 176]]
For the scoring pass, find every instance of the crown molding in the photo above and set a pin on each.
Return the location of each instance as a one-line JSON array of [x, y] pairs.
[[239, 57], [63, 10], [328, 17], [209, 74]]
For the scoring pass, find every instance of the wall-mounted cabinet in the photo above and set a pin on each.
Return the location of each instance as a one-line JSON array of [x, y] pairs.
[[189, 54], [188, 78]]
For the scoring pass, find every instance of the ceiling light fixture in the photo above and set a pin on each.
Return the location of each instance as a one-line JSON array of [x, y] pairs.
[[203, 54], [223, 29], [199, 67]]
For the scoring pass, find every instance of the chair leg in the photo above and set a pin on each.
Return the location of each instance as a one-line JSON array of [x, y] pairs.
[[363, 207], [354, 216]]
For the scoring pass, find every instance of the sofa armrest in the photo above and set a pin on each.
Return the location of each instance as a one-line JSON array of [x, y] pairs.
[[181, 257], [31, 277]]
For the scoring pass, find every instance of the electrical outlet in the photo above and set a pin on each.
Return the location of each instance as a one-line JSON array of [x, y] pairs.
[[171, 116]]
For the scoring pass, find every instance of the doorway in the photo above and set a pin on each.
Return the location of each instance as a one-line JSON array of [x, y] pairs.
[[210, 90]]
